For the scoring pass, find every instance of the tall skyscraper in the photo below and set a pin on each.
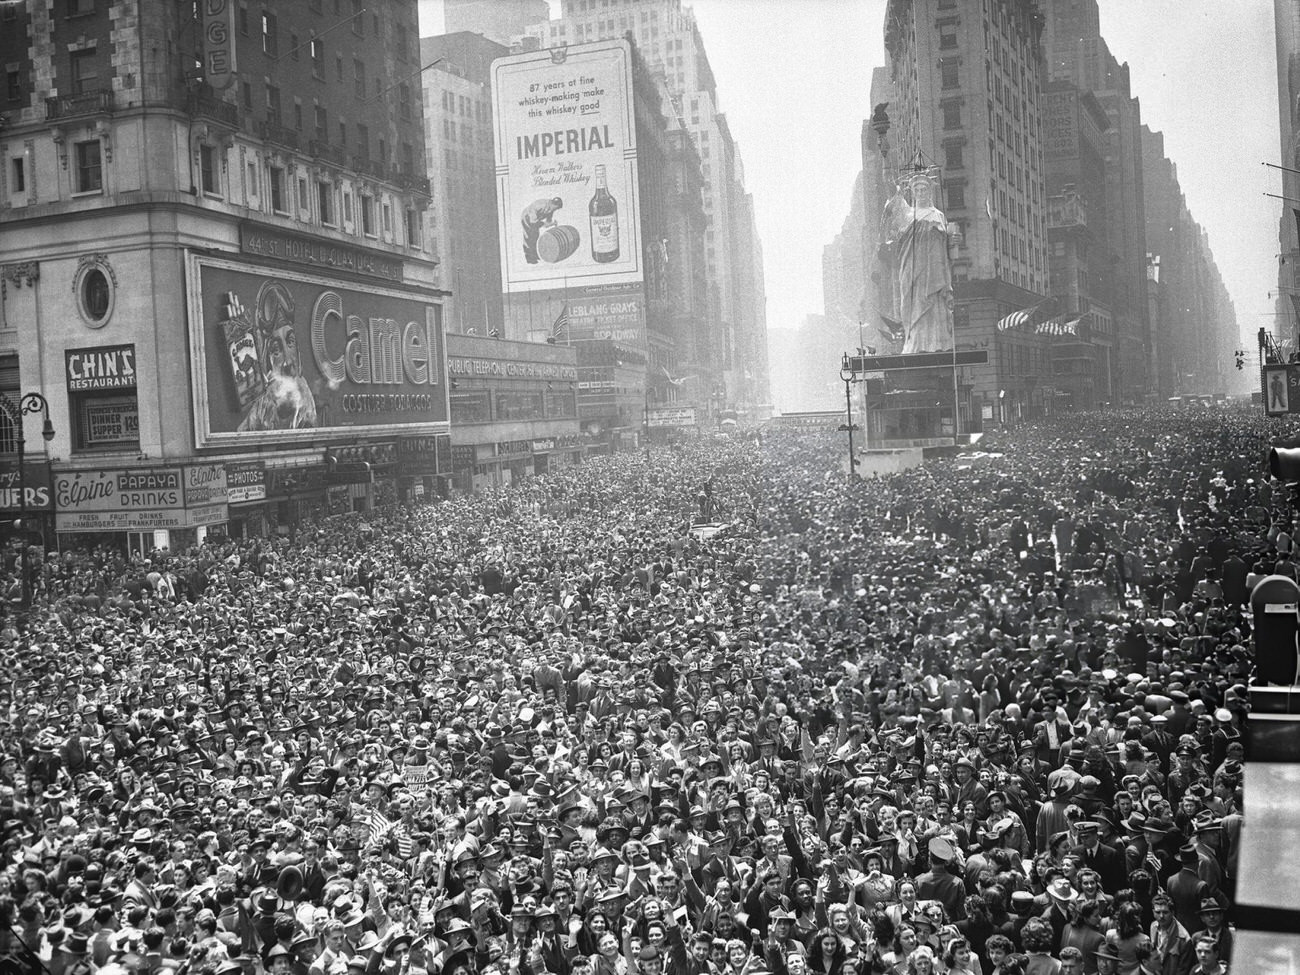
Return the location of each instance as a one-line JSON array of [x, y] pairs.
[[1075, 143], [458, 150], [967, 81], [1195, 322], [669, 39], [1077, 53], [225, 207], [1286, 15], [501, 21], [843, 266]]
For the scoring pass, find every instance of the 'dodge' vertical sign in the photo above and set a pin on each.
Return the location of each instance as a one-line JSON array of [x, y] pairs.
[[219, 43]]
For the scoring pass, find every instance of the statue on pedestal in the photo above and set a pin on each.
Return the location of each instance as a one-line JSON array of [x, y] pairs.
[[916, 241]]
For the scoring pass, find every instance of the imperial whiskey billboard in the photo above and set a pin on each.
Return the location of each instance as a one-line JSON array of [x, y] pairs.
[[283, 356], [566, 168]]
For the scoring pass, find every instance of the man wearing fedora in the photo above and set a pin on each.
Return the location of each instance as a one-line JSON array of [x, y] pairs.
[[1214, 927], [1107, 959], [1062, 898]]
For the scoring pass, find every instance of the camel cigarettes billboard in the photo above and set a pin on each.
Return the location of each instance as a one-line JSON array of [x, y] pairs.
[[284, 356], [566, 167]]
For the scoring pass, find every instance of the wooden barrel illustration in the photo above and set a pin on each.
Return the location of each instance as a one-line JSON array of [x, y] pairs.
[[556, 243]]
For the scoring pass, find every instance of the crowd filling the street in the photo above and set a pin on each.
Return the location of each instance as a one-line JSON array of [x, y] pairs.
[[982, 717]]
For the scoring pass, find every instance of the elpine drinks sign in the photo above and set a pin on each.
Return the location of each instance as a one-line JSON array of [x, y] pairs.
[[139, 499], [566, 167], [282, 357]]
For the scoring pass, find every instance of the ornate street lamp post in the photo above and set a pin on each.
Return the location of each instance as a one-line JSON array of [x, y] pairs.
[[28, 403]]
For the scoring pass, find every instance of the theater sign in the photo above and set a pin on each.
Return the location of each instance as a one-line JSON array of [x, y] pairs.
[[281, 356]]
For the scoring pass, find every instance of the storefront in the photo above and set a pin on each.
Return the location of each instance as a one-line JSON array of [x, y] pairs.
[[246, 491], [142, 507], [294, 494], [514, 410], [550, 453], [424, 467], [360, 477]]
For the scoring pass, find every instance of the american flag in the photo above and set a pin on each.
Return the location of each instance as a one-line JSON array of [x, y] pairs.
[[405, 845], [560, 328], [1018, 318], [1034, 314], [1058, 326], [378, 825]]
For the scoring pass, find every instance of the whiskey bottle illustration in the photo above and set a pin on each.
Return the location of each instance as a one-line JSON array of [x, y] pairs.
[[604, 222]]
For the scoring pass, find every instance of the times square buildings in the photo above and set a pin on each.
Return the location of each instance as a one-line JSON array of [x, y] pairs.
[[218, 272]]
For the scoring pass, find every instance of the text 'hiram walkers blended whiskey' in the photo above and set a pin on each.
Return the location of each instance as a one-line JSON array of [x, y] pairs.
[[604, 222]]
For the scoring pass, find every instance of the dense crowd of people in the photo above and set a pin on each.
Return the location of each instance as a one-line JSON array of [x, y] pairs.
[[981, 718]]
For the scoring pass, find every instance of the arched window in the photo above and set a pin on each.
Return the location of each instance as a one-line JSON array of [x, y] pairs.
[[8, 434]]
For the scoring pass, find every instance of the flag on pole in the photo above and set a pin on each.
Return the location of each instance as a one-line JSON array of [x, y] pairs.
[[560, 327], [1019, 318], [1058, 326], [1296, 213], [988, 205], [1295, 304]]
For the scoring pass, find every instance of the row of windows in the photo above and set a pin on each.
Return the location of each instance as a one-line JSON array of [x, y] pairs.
[[465, 107], [357, 138], [317, 199], [480, 406], [1021, 359], [269, 26], [468, 135], [359, 88]]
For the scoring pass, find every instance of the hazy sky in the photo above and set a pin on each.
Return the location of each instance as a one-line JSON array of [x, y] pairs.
[[794, 76]]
